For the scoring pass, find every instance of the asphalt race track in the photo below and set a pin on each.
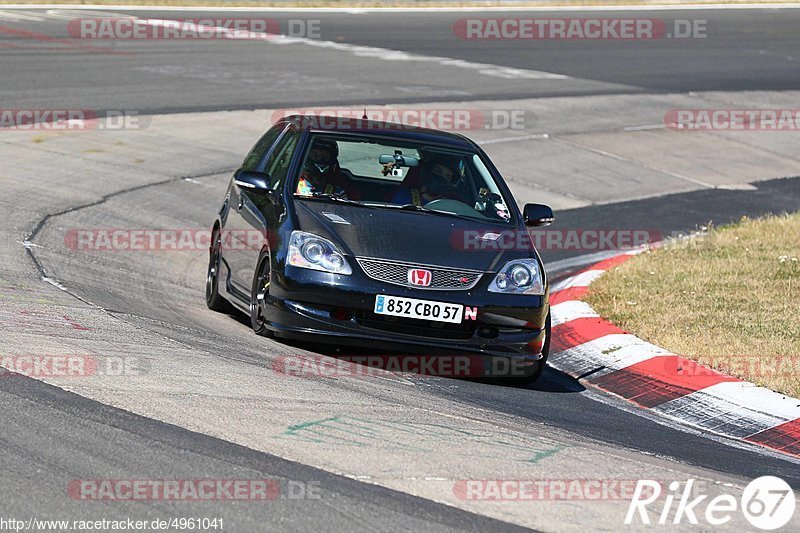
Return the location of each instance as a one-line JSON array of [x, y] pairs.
[[205, 398], [743, 50]]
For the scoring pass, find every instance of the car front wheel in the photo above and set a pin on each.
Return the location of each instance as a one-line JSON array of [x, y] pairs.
[[259, 294], [214, 301]]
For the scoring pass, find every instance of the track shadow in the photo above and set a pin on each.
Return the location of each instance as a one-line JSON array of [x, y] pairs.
[[551, 381]]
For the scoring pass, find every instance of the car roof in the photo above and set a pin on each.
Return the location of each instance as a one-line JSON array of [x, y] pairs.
[[348, 125]]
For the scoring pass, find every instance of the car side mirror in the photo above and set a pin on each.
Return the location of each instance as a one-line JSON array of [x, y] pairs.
[[537, 215], [256, 182]]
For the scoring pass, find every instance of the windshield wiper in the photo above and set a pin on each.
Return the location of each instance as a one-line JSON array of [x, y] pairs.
[[422, 208], [329, 196]]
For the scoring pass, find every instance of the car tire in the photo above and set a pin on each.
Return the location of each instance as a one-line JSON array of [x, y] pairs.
[[541, 365], [214, 301], [259, 292]]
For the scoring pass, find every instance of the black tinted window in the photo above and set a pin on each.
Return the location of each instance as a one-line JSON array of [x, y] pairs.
[[261, 148], [278, 165]]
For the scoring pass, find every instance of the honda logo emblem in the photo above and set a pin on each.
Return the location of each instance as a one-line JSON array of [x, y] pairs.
[[419, 276]]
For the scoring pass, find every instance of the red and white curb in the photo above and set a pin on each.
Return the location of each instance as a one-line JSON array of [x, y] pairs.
[[594, 350]]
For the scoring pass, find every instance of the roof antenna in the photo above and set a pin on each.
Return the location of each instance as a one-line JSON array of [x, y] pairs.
[[365, 115]]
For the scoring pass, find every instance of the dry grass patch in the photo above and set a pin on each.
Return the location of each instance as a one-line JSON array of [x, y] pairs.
[[730, 300]]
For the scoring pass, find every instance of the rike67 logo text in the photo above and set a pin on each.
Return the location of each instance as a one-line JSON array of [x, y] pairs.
[[767, 503]]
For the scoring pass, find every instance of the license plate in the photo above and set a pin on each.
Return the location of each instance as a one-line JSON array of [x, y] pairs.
[[420, 309]]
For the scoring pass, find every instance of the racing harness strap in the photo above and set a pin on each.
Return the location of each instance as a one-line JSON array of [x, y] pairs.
[[415, 197]]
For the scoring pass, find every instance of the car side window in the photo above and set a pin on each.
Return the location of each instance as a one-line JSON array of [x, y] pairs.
[[257, 153], [278, 164]]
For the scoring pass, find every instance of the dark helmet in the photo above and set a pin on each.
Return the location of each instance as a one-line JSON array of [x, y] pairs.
[[443, 174], [322, 156]]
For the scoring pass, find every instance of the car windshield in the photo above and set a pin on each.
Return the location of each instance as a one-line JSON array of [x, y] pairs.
[[383, 172]]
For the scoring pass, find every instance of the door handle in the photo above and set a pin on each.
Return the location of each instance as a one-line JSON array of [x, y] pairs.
[[240, 204]]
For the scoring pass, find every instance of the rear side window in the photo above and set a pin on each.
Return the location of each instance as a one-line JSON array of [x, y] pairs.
[[257, 153]]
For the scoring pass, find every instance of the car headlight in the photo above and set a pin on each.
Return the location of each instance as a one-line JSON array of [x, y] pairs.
[[521, 276], [307, 250]]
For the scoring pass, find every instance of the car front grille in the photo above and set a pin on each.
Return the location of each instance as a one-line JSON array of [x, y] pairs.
[[442, 278]]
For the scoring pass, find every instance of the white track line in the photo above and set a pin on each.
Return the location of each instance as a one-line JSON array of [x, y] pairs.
[[570, 310], [581, 280], [16, 16], [756, 398], [609, 353], [399, 10], [515, 139], [373, 52], [740, 409]]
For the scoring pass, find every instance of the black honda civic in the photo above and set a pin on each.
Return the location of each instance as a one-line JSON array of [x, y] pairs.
[[382, 236]]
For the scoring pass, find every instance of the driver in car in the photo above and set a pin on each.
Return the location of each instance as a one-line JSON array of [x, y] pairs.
[[321, 172], [441, 178]]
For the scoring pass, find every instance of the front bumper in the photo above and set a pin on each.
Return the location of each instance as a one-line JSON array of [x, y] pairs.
[[329, 308]]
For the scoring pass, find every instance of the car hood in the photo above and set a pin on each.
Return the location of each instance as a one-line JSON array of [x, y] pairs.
[[410, 236]]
